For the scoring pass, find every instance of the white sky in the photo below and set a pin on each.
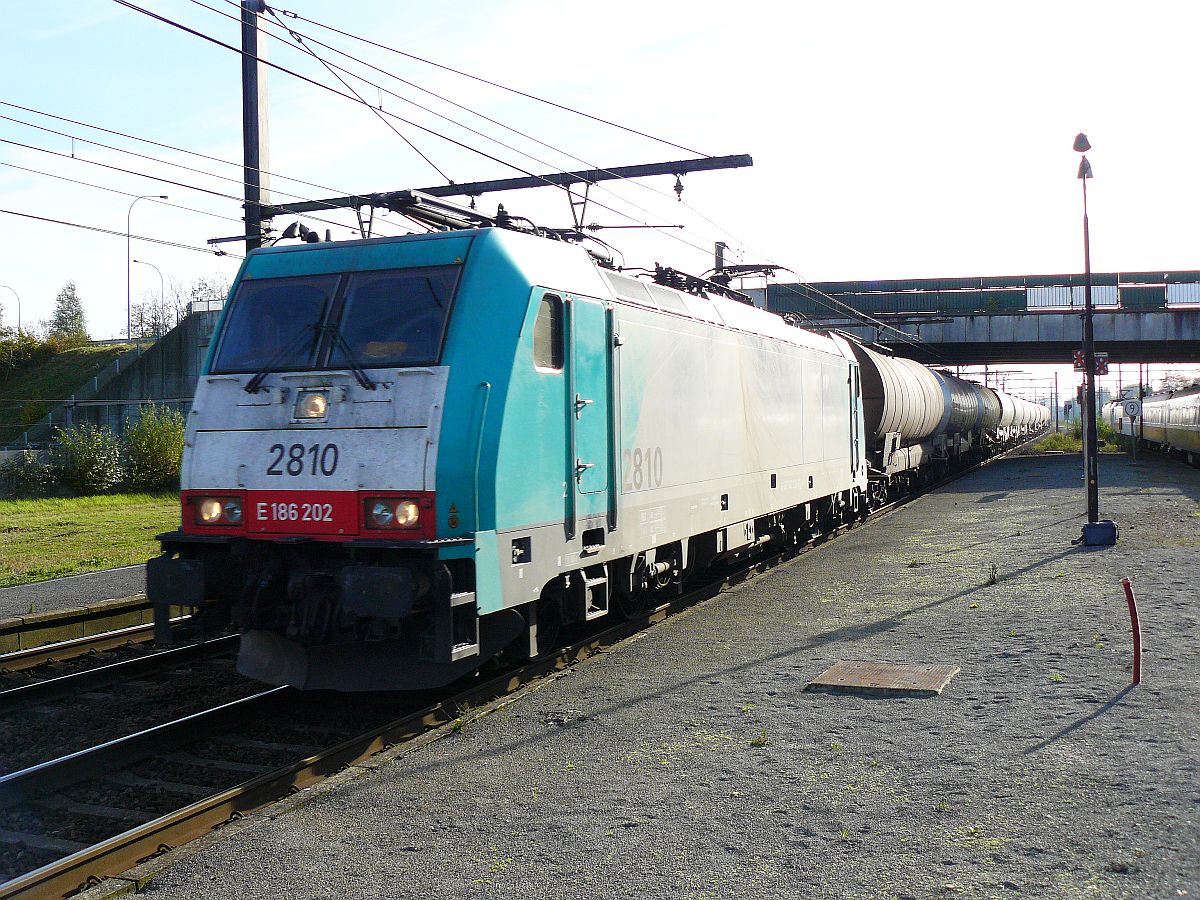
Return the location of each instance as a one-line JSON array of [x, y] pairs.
[[890, 140]]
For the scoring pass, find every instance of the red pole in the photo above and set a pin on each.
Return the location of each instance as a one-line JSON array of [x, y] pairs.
[[1137, 630]]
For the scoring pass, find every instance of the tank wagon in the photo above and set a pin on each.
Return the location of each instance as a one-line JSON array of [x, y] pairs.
[[406, 455], [1169, 422], [921, 422]]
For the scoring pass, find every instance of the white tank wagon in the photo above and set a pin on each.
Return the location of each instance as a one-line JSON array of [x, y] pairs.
[[920, 422]]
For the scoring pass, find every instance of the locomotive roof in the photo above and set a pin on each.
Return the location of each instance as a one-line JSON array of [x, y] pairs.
[[529, 251]]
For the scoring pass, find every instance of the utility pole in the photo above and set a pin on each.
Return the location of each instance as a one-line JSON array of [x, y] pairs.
[[1057, 405], [254, 120]]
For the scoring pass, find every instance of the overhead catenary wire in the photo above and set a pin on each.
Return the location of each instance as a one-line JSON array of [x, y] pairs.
[[603, 121], [111, 190], [122, 234], [148, 158], [352, 98], [171, 147], [378, 113], [833, 304], [297, 36]]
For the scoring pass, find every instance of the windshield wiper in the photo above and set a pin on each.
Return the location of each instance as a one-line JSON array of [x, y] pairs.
[[355, 366], [255, 383]]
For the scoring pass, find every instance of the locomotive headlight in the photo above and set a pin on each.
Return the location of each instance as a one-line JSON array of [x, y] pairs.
[[218, 511], [386, 512], [407, 513], [312, 405], [209, 511]]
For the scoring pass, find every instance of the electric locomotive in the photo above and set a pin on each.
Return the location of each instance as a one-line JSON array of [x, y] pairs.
[[408, 454]]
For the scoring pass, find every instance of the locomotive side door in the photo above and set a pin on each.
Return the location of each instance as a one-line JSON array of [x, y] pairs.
[[588, 405], [855, 419]]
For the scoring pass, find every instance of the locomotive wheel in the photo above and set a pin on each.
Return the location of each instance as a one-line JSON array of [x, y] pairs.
[[549, 623], [634, 604]]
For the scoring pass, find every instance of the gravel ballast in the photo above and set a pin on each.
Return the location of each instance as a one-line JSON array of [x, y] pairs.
[[689, 761]]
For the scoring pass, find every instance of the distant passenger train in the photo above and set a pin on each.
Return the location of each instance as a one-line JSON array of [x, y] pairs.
[[1169, 422], [408, 454]]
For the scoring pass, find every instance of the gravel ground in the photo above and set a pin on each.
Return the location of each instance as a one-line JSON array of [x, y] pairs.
[[72, 591], [689, 762]]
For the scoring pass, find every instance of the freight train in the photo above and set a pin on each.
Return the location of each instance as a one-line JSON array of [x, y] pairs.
[[1168, 422], [407, 455]]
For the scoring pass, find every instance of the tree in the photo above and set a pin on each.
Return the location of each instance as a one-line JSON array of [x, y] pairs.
[[154, 316], [68, 320]]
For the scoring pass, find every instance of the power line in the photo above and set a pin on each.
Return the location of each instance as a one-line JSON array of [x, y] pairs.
[[325, 87], [136, 237], [134, 137], [329, 67], [148, 158], [298, 36], [494, 84], [355, 98], [101, 187]]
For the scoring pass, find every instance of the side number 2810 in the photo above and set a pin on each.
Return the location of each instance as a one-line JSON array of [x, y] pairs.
[[643, 468], [318, 459]]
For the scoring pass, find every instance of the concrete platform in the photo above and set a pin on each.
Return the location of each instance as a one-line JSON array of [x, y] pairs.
[[689, 762], [72, 592]]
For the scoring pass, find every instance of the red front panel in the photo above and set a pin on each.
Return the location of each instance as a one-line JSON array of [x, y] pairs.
[[302, 512], [328, 515]]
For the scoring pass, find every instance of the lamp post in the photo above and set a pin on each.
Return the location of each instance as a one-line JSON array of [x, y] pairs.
[[161, 289], [18, 296], [1095, 532], [129, 261]]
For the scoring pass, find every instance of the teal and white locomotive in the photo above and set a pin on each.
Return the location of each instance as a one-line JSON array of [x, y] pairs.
[[408, 454]]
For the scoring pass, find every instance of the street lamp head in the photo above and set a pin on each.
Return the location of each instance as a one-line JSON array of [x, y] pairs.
[[1085, 168], [1082, 144]]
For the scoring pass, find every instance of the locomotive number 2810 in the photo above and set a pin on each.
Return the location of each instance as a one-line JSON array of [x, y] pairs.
[[292, 460]]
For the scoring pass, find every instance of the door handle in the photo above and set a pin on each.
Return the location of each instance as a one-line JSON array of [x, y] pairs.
[[581, 467], [580, 404]]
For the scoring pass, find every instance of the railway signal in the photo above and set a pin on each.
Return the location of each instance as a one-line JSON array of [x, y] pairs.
[[1080, 362]]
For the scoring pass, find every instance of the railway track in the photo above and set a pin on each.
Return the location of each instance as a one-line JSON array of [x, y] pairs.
[[134, 784]]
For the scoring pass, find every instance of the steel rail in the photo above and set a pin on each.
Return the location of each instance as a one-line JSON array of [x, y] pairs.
[[111, 858], [31, 657], [56, 774], [102, 676]]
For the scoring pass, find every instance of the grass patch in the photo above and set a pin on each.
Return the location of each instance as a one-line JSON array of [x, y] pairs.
[[32, 392], [41, 539], [1058, 443]]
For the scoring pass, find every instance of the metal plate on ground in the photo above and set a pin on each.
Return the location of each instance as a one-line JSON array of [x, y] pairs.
[[883, 679]]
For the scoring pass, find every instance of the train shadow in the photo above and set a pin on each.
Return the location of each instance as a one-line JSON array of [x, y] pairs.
[[844, 634]]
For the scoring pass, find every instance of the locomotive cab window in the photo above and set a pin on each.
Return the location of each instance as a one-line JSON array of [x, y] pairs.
[[274, 322], [548, 334], [371, 319], [393, 318]]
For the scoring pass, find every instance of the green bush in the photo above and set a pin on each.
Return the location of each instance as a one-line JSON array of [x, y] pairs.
[[87, 459], [20, 351], [154, 448], [27, 476]]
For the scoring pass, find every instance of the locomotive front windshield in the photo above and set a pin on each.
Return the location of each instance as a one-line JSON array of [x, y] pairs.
[[368, 319]]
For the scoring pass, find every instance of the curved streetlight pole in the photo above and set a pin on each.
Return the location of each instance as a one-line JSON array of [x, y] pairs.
[[18, 296], [161, 289], [129, 262]]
